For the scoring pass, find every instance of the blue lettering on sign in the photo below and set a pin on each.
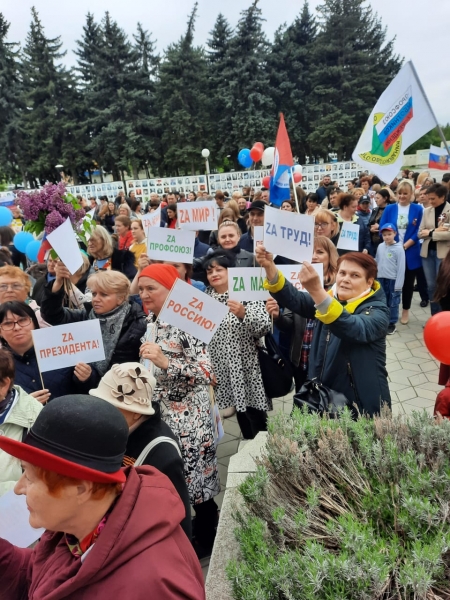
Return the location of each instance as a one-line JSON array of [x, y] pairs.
[[271, 229], [303, 238], [352, 235]]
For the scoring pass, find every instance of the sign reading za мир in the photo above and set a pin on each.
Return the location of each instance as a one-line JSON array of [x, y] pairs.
[[193, 311], [197, 215], [289, 234], [246, 283], [171, 244], [66, 345]]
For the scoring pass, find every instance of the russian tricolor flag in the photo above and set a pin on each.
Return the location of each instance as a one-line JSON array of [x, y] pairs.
[[280, 176], [393, 123], [438, 158]]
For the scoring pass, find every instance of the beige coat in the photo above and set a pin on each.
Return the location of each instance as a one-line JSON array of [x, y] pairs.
[[441, 237], [19, 420]]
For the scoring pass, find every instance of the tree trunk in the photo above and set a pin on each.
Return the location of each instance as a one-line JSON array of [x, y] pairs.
[[135, 170]]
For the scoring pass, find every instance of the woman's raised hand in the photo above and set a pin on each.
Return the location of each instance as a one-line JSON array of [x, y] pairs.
[[236, 308], [265, 259], [61, 272], [42, 396], [143, 261], [272, 308]]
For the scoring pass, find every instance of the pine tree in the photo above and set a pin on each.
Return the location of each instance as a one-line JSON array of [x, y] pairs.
[[353, 65], [13, 159], [182, 101], [121, 125], [43, 79], [247, 95], [87, 52], [219, 63], [290, 66]]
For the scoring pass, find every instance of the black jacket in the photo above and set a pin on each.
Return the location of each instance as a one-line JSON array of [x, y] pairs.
[[123, 261], [349, 354], [59, 382], [163, 457], [133, 328]]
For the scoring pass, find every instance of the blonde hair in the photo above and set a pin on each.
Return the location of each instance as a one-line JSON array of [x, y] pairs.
[[226, 214], [323, 242], [406, 183], [110, 282], [355, 190], [234, 206], [422, 177], [126, 207], [323, 215], [102, 234], [229, 224], [236, 195], [16, 273]]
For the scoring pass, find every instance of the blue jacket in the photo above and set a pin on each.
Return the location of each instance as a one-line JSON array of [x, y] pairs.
[[348, 350], [390, 215], [246, 241], [200, 249]]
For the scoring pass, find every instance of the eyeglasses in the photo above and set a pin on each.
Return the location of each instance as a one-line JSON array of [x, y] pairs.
[[4, 287], [21, 322], [321, 225]]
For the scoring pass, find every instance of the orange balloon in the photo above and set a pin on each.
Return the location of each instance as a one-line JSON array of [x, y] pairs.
[[298, 177], [256, 152], [436, 336]]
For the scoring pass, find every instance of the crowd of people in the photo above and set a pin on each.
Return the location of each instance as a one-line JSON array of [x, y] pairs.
[[122, 491]]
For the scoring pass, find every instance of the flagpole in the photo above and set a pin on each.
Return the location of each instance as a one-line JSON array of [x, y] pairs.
[[419, 83], [295, 189]]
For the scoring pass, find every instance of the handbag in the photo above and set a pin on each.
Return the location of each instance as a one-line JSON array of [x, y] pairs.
[[276, 370], [320, 398]]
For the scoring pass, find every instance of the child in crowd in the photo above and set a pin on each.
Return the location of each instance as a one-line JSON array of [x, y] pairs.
[[391, 271]]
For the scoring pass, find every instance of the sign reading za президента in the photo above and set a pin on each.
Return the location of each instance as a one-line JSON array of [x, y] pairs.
[[246, 283], [288, 234], [197, 216], [66, 345], [171, 244], [193, 311]]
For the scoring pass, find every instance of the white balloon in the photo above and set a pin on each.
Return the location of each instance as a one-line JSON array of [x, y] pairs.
[[298, 169], [205, 152], [268, 156]]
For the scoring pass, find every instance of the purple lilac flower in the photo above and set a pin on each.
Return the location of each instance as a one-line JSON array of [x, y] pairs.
[[52, 221]]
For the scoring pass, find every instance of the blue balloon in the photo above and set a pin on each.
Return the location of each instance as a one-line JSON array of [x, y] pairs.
[[244, 158], [22, 239], [6, 216], [32, 250]]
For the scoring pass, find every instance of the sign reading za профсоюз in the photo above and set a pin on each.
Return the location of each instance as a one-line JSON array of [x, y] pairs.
[[171, 244], [288, 234]]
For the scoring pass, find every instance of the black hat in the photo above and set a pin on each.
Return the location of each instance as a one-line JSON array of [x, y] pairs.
[[258, 205], [78, 436], [364, 199]]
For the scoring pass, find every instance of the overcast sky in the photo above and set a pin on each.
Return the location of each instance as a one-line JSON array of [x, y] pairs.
[[421, 27]]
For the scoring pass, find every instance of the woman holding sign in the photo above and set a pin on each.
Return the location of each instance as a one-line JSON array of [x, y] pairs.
[[348, 206], [348, 349], [234, 352], [183, 375], [17, 321]]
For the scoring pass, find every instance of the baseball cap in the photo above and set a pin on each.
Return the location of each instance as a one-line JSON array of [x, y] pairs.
[[389, 226], [258, 205], [364, 199]]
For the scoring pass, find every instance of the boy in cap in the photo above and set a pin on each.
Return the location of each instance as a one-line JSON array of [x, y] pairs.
[[391, 271]]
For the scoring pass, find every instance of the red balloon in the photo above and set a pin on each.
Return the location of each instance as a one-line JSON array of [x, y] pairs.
[[298, 177], [256, 152], [436, 336], [266, 182]]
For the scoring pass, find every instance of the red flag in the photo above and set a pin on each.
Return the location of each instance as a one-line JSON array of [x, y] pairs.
[[282, 166], [283, 146]]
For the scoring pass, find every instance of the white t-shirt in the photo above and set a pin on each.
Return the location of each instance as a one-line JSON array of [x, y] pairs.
[[402, 221]]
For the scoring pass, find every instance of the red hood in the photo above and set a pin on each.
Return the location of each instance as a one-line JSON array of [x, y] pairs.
[[141, 548]]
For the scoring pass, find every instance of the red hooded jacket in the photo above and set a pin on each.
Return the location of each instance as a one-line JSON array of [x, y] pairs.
[[141, 553]]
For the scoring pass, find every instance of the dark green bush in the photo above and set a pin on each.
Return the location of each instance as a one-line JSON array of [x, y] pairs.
[[342, 509]]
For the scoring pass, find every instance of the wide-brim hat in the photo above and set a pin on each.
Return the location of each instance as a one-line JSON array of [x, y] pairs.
[[77, 436], [128, 386]]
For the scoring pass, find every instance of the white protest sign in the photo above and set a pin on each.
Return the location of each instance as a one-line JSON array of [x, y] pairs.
[[291, 272], [197, 215], [193, 311], [246, 283], [175, 245], [151, 220], [66, 345], [349, 238], [258, 236], [288, 234], [64, 243], [14, 521]]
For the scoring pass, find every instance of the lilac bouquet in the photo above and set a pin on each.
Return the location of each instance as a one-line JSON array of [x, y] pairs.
[[46, 209]]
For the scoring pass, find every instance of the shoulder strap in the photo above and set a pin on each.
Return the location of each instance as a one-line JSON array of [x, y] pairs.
[[149, 447]]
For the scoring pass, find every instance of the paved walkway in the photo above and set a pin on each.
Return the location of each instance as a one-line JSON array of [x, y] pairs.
[[413, 376]]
